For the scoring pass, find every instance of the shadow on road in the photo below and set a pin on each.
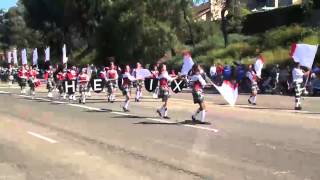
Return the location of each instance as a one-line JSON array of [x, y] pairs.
[[186, 122]]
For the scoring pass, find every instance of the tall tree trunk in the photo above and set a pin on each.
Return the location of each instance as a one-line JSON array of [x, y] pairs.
[[224, 21], [184, 9]]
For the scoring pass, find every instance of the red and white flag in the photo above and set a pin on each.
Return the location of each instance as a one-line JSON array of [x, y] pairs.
[[258, 65], [228, 91], [304, 54], [187, 64]]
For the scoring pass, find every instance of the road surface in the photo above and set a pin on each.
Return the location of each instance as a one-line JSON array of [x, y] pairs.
[[52, 139]]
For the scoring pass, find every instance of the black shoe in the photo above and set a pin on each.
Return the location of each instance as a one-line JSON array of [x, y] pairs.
[[249, 101], [254, 104], [193, 118], [79, 101], [298, 108], [158, 111], [166, 117], [125, 110]]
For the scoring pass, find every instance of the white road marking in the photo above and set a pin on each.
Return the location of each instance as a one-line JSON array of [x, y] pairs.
[[42, 137], [120, 113], [4, 92], [186, 125]]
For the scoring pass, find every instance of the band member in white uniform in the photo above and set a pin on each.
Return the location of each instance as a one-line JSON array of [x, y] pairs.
[[254, 85], [83, 79], [197, 83], [112, 77], [22, 75], [164, 79], [139, 82], [126, 87], [297, 76]]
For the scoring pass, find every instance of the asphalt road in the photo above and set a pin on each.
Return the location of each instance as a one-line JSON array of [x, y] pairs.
[[44, 139]]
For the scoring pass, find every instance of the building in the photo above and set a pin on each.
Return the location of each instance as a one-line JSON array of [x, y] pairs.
[[211, 10]]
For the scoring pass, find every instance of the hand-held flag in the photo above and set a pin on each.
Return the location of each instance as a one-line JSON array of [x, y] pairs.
[[187, 64], [9, 57], [304, 54], [259, 65], [64, 54], [228, 91]]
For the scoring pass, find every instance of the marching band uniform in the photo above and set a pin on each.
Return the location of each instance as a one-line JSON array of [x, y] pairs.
[[61, 76], [112, 77], [83, 83], [22, 75], [254, 85], [164, 80], [297, 76], [48, 75], [197, 83], [155, 74], [126, 87], [139, 83], [71, 76], [10, 75], [33, 81]]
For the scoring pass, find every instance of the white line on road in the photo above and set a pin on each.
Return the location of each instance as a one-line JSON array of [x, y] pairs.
[[42, 137], [120, 113]]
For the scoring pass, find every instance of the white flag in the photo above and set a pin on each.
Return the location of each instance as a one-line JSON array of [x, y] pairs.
[[9, 57], [35, 57], [47, 54], [228, 91], [187, 64], [15, 56], [259, 65], [64, 54], [304, 54], [24, 56], [143, 73]]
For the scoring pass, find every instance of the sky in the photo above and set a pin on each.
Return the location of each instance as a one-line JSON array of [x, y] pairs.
[[6, 4]]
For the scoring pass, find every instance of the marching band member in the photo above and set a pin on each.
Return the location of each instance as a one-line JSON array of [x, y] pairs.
[[22, 75], [48, 75], [139, 82], [10, 75], [164, 80], [61, 77], [126, 87], [254, 85], [112, 77], [155, 74], [197, 83], [72, 76], [297, 76], [83, 83], [32, 80]]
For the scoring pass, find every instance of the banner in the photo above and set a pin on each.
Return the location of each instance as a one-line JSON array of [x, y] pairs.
[[15, 56], [35, 57], [47, 54], [177, 85], [151, 84], [304, 54], [187, 64], [24, 56], [228, 91], [9, 57]]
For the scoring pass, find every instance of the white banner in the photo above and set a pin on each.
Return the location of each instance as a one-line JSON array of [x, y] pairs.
[[15, 56], [9, 57], [35, 57], [47, 54], [24, 56]]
